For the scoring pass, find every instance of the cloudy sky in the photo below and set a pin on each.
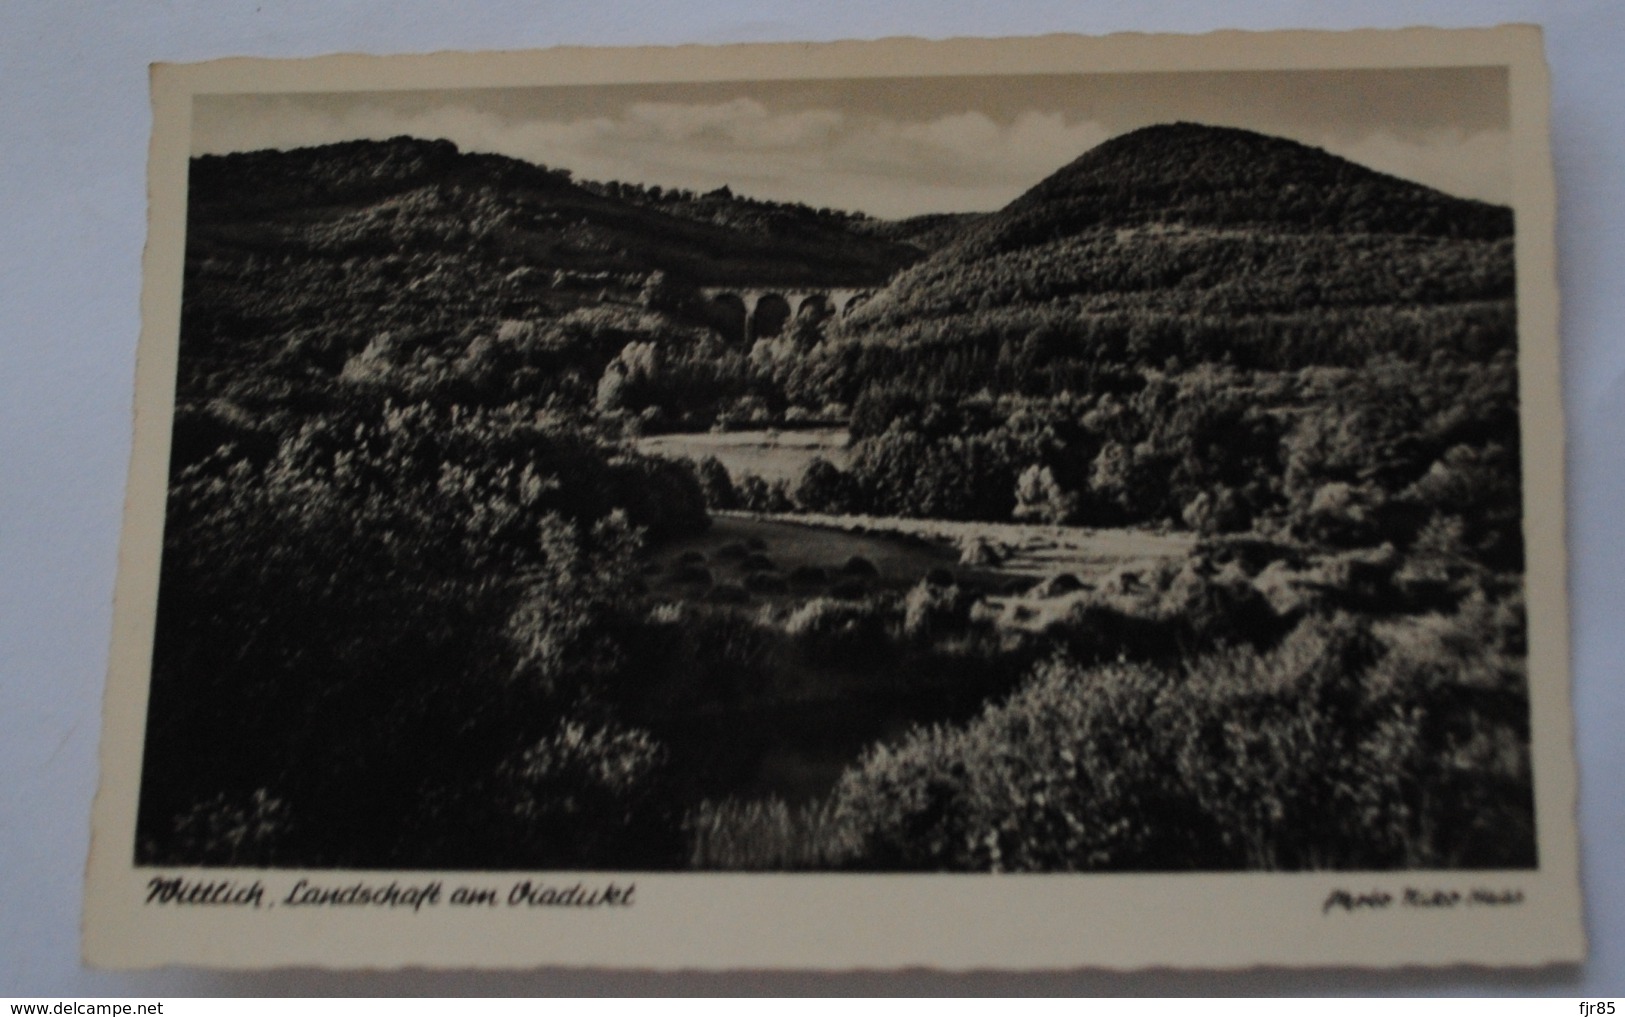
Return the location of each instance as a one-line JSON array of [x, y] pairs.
[[904, 146]]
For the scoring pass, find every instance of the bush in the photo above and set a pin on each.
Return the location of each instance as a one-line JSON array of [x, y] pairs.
[[587, 796], [1039, 498], [824, 487], [758, 495], [1058, 779], [1359, 580], [766, 582], [1332, 751], [728, 593], [830, 631], [979, 552], [1287, 591], [695, 655], [248, 832], [1219, 511], [695, 574], [716, 485], [849, 589], [1341, 514], [1221, 608], [808, 575], [1251, 554], [860, 567], [1058, 586], [931, 612]]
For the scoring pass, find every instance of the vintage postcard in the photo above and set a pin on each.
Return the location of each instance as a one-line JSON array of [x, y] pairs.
[[1020, 503]]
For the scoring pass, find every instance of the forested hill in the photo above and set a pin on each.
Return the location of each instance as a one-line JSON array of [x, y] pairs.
[[406, 194], [927, 232], [1196, 326], [1195, 175], [1209, 226]]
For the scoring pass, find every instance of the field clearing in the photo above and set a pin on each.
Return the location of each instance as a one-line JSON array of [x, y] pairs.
[[904, 550], [1025, 549], [771, 454], [790, 544]]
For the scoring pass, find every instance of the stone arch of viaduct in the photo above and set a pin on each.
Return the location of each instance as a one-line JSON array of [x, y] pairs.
[[748, 313]]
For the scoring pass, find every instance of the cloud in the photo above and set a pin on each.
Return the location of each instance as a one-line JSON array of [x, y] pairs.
[[882, 163], [1472, 165], [739, 124], [885, 166]]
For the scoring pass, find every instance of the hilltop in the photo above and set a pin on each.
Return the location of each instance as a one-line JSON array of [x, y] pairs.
[[1192, 325], [299, 261], [1195, 175], [1189, 225], [357, 196]]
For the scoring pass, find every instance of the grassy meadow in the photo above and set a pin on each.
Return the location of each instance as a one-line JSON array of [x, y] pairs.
[[776, 456]]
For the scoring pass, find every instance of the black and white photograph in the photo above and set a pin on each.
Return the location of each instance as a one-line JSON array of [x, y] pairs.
[[1022, 473], [1094, 472]]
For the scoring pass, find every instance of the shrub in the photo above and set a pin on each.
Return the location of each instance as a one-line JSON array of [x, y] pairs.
[[766, 582], [824, 487], [1251, 554], [564, 630], [1288, 592], [1063, 777], [1058, 586], [697, 655], [979, 551], [716, 485], [934, 611], [1478, 487], [1359, 580], [587, 795], [697, 574], [728, 593], [842, 631], [1095, 633], [758, 495], [1332, 750], [1222, 608], [248, 831], [1340, 513], [849, 589], [1218, 511], [808, 575], [860, 567], [1040, 498]]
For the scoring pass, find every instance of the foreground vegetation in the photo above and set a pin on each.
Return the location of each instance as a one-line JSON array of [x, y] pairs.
[[1189, 720]]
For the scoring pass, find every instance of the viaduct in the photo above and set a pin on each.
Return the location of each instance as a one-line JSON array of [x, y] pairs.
[[753, 313]]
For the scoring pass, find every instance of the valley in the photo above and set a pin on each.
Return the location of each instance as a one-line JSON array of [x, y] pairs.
[[1142, 524]]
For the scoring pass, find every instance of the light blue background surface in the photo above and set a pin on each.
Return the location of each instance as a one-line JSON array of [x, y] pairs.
[[74, 122]]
